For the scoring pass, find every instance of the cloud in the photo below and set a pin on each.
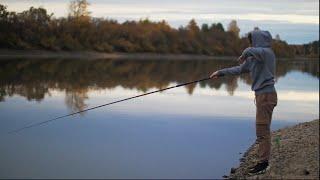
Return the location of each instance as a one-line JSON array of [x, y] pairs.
[[297, 7]]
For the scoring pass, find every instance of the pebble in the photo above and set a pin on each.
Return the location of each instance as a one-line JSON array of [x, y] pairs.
[[306, 172], [225, 176], [233, 170]]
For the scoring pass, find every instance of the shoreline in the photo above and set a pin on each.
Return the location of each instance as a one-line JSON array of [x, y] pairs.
[[44, 54], [294, 154]]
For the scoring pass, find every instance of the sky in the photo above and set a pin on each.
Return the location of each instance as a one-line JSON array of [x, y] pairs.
[[296, 21]]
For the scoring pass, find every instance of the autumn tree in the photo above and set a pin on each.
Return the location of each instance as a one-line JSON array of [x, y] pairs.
[[36, 29], [3, 13], [193, 26], [233, 27], [79, 8]]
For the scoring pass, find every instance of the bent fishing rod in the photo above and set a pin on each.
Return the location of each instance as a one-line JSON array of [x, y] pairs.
[[60, 117]]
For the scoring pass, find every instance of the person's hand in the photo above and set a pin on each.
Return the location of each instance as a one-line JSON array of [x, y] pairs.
[[241, 59], [214, 75]]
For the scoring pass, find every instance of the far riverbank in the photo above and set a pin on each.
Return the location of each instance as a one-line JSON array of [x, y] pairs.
[[42, 54]]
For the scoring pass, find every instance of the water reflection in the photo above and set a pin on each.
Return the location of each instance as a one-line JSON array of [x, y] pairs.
[[35, 78], [75, 100]]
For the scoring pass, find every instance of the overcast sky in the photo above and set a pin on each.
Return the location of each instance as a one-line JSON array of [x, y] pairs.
[[297, 21]]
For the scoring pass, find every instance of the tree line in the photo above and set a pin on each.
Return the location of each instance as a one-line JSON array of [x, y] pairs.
[[36, 29]]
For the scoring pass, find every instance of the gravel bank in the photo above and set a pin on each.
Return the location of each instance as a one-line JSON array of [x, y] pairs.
[[294, 154]]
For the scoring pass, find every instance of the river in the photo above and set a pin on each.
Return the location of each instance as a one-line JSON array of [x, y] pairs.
[[197, 131]]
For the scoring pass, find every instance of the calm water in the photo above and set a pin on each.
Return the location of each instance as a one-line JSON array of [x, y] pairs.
[[196, 131]]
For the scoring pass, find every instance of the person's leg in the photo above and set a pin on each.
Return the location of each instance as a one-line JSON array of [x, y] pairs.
[[263, 142], [265, 104]]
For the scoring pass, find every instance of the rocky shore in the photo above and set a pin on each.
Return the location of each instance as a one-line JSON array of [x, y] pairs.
[[294, 154]]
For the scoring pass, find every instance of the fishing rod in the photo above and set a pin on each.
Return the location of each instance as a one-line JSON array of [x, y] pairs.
[[60, 117]]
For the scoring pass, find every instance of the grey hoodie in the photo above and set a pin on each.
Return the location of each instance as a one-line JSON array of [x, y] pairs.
[[260, 61]]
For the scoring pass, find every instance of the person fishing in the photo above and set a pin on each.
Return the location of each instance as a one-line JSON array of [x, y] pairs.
[[259, 60]]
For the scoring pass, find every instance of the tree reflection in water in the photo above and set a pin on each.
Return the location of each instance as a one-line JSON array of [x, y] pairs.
[[75, 100], [34, 78]]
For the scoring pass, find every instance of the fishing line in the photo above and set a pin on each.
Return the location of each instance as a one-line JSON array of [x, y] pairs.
[[60, 117]]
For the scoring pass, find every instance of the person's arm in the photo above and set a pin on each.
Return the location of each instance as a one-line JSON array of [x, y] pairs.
[[236, 70], [249, 53]]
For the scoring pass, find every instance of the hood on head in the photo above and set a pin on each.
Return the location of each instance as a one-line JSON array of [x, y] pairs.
[[261, 38]]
